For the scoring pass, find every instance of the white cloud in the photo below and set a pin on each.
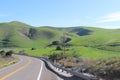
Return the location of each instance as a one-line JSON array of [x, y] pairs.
[[110, 27], [109, 18]]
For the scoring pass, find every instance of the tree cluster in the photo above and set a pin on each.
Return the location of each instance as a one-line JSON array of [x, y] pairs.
[[8, 53]]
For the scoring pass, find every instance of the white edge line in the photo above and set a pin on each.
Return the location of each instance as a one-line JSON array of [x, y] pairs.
[[40, 72]]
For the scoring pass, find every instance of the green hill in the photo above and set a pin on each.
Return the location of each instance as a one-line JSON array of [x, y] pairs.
[[104, 39], [18, 34]]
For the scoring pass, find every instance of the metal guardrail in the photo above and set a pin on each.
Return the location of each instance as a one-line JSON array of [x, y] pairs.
[[78, 74]]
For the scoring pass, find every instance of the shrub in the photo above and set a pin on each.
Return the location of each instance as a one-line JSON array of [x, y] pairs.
[[33, 48], [55, 56], [58, 48], [55, 43], [22, 53], [2, 52], [9, 53], [67, 64]]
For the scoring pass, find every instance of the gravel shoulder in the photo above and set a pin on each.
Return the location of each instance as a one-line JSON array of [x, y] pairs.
[[6, 61]]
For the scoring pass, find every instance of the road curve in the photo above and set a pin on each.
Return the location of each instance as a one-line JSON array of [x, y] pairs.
[[27, 68]]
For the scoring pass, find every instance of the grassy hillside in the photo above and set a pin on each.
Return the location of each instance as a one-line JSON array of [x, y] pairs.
[[17, 34], [104, 39], [83, 40]]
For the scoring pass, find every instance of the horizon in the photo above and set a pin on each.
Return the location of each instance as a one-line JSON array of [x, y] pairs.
[[63, 13], [60, 26]]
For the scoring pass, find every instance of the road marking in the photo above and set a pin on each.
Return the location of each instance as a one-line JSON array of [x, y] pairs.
[[40, 72], [17, 70]]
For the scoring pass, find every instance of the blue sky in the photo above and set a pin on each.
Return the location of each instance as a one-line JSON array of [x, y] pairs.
[[62, 13]]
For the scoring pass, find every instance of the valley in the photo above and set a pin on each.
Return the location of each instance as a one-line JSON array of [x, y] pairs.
[[76, 45]]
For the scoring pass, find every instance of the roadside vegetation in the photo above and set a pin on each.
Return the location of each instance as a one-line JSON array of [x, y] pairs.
[[101, 63], [6, 58], [106, 69]]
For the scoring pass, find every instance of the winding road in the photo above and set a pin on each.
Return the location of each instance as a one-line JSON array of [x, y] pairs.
[[28, 68]]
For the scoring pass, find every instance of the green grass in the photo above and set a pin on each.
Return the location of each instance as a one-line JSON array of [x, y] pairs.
[[87, 52], [87, 46], [16, 35], [99, 38], [93, 53], [37, 52]]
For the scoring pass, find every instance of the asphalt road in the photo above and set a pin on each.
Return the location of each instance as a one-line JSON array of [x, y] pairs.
[[27, 68]]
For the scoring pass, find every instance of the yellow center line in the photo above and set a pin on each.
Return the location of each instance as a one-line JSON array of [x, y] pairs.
[[17, 70]]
